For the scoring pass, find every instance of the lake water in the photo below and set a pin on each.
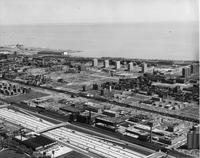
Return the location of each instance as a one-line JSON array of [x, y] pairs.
[[136, 40]]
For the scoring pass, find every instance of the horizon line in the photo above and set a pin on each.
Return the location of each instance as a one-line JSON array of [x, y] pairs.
[[101, 23]]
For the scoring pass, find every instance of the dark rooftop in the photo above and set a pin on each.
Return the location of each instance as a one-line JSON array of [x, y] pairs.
[[38, 141]]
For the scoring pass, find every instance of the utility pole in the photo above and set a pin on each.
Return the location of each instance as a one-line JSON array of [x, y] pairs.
[[150, 125], [53, 152], [90, 116]]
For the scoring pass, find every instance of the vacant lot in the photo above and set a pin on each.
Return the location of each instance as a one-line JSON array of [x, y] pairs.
[[191, 111], [28, 96], [77, 80]]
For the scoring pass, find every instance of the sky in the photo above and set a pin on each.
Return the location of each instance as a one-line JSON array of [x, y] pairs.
[[27, 12]]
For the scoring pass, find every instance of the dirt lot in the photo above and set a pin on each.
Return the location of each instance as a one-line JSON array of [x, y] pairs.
[[191, 110], [77, 80], [28, 96]]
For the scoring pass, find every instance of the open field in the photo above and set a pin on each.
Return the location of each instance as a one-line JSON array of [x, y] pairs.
[[77, 80], [28, 96], [194, 111]]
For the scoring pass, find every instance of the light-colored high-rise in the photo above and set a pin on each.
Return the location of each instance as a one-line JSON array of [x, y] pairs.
[[117, 65], [106, 63], [144, 67], [95, 62], [130, 66]]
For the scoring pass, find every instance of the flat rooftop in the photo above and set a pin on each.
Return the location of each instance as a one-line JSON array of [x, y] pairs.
[[38, 141]]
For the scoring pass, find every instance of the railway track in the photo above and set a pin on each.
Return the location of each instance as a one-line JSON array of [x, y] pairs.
[[78, 94], [70, 137]]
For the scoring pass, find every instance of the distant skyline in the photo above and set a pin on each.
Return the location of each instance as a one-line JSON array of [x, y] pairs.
[[28, 12]]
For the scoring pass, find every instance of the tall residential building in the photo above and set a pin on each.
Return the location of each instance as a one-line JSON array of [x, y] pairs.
[[117, 64], [195, 68], [186, 72], [130, 66], [193, 138], [106, 63], [189, 70], [95, 62], [144, 67]]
